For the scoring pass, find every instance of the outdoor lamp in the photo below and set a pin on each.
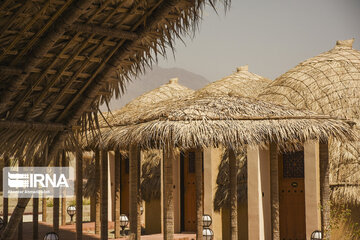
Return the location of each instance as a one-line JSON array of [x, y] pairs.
[[124, 221], [206, 220], [316, 235], [2, 224], [71, 210], [208, 234], [51, 236], [141, 210]]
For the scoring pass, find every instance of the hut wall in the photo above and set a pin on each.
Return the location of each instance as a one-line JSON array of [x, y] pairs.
[[242, 222], [153, 216], [212, 159]]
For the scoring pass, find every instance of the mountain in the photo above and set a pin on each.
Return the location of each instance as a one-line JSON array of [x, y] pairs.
[[153, 79]]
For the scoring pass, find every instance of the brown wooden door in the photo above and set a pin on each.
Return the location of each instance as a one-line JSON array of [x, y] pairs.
[[189, 193], [124, 187], [292, 196]]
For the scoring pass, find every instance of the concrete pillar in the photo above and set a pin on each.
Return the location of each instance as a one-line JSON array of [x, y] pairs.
[[259, 208], [325, 190], [212, 159], [63, 199], [135, 193], [233, 165], [312, 187], [79, 186]]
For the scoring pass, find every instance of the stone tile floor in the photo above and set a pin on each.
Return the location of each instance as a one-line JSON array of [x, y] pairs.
[[67, 232]]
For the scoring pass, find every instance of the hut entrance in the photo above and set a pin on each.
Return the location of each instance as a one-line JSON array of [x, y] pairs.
[[292, 196], [188, 192], [124, 186]]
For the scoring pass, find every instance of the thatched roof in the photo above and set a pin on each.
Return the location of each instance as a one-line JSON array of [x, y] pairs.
[[229, 121], [241, 83], [109, 125], [60, 59], [328, 84]]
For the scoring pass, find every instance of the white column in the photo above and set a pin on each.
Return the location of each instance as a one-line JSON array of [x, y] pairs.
[[312, 187], [212, 159], [259, 207]]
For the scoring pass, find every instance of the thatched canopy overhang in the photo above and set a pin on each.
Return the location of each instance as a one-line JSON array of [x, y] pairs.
[[229, 121], [328, 84], [60, 60]]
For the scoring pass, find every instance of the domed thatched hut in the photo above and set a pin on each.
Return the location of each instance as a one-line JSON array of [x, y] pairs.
[[111, 130], [329, 84]]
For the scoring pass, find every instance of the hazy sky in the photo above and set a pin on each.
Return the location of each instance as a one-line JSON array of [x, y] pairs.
[[271, 36]]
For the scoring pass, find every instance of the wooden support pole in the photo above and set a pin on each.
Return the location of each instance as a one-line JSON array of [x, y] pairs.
[[79, 186], [97, 192], [168, 196], [104, 195], [44, 213], [56, 201], [199, 193], [6, 200], [117, 192], [274, 188], [20, 229], [63, 199], [233, 165], [325, 190], [35, 221], [134, 193]]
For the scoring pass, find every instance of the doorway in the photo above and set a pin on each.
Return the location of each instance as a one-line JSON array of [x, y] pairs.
[[188, 191], [292, 196]]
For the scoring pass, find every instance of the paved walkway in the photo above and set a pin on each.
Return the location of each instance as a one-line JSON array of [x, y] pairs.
[[68, 232]]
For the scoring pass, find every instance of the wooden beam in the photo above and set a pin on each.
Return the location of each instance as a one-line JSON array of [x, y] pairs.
[[274, 189], [117, 192], [97, 192], [168, 193], [64, 163], [79, 193], [43, 46], [110, 32], [199, 193], [104, 195], [56, 201], [40, 126], [134, 193], [6, 200], [233, 170], [325, 190]]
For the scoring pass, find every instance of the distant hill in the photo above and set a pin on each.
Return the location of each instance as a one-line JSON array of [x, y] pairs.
[[155, 78]]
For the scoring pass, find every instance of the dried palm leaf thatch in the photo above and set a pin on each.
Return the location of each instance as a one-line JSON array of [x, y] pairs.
[[59, 60], [151, 175], [222, 194], [228, 121], [129, 112], [241, 83], [328, 84]]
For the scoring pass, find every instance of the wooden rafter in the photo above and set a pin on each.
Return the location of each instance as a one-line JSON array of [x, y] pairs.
[[43, 46], [65, 66], [109, 68], [110, 32], [18, 125], [82, 67]]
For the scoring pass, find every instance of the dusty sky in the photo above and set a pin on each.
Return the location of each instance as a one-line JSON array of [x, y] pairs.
[[271, 36]]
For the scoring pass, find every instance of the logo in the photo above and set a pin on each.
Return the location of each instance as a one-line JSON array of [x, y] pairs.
[[23, 182]]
